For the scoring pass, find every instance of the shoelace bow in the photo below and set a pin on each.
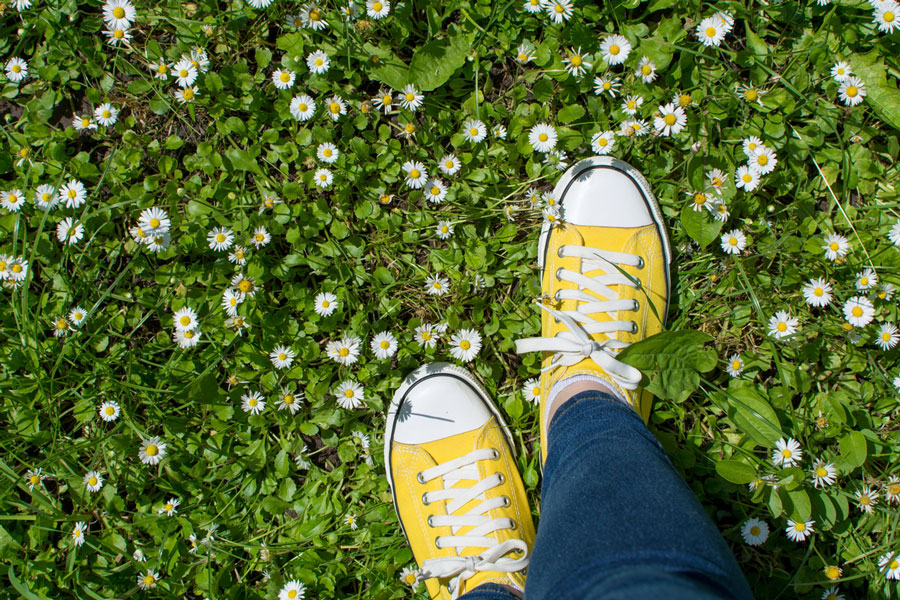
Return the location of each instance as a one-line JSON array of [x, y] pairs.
[[574, 345], [460, 568]]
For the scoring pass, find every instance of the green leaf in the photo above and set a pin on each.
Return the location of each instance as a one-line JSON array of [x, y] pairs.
[[435, 62], [701, 226], [853, 450], [213, 82], [673, 361], [801, 509], [881, 95], [242, 161], [753, 414], [573, 112], [21, 587], [735, 471]]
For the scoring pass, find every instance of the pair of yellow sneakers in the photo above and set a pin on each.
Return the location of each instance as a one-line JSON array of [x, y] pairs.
[[449, 455]]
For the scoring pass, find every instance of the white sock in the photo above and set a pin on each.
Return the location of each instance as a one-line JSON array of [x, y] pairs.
[[567, 381]]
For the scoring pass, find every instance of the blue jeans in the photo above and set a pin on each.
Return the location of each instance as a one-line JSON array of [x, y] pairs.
[[617, 521]]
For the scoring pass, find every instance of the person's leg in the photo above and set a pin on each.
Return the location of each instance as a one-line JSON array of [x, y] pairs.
[[617, 520], [491, 591]]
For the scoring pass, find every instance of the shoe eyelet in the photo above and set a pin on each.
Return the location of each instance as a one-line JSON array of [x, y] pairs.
[[556, 297], [425, 500], [513, 525], [640, 264], [496, 454], [502, 478], [636, 306], [559, 251], [634, 327], [437, 543], [557, 274], [430, 524], [420, 478], [506, 501]]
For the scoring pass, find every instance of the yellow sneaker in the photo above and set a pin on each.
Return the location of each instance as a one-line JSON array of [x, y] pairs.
[[457, 490], [605, 279]]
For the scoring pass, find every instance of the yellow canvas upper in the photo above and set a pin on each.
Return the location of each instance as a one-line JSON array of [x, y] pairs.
[[645, 242], [407, 460]]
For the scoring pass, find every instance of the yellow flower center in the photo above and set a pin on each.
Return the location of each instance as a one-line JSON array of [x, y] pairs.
[[888, 17], [410, 96], [162, 68], [220, 237], [302, 107], [314, 15], [414, 174], [783, 327], [852, 91], [149, 579], [762, 160], [833, 246], [602, 142], [386, 100], [252, 402], [71, 193], [864, 500], [800, 526], [385, 344], [154, 223], [109, 410], [85, 122], [646, 70], [733, 241], [736, 364], [282, 356], [183, 73], [92, 481], [409, 128], [426, 335], [857, 311], [319, 62], [284, 77], [245, 285], [435, 190], [747, 178], [188, 334], [751, 95], [449, 165], [334, 108], [894, 564], [118, 12], [325, 303], [473, 131], [169, 507], [16, 268], [118, 34], [288, 399], [410, 579], [670, 119], [575, 60], [151, 450], [185, 320], [377, 6], [34, 480], [543, 137], [821, 472], [16, 69], [559, 8], [61, 324], [465, 345], [786, 453], [818, 292], [863, 281], [832, 572], [260, 237], [755, 530], [188, 94], [348, 394], [344, 351], [536, 390], [710, 32]]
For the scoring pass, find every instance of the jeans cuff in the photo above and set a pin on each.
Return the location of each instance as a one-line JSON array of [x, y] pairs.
[[490, 591]]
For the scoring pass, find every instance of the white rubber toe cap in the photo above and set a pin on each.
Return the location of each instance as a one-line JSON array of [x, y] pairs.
[[604, 195]]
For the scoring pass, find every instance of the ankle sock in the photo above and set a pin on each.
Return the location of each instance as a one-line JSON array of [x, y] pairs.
[[567, 381]]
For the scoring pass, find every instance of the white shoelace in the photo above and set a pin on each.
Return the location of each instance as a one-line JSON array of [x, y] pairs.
[[574, 345], [482, 525]]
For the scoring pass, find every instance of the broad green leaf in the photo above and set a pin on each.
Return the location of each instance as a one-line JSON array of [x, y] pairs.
[[801, 508], [242, 161], [753, 414], [735, 471], [573, 112], [673, 361], [853, 450], [882, 95], [700, 225], [435, 62]]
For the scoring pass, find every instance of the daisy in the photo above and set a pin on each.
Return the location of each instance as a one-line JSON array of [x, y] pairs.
[[84, 123], [288, 400], [615, 49], [710, 32], [116, 36], [313, 18], [754, 531], [465, 344], [185, 73], [525, 53], [782, 325], [751, 145], [632, 104], [302, 107], [542, 137], [109, 410], [350, 519], [34, 477], [327, 152], [852, 90], [282, 357], [817, 293], [532, 390], [61, 327], [734, 242], [576, 63], [238, 323], [106, 114], [45, 197], [187, 94], [716, 179], [435, 191], [836, 246], [345, 350], [890, 563], [384, 345], [444, 230], [885, 291], [152, 451], [325, 304], [378, 9], [892, 490], [407, 575], [603, 142], [238, 256], [832, 592], [840, 71], [350, 395], [551, 215], [887, 16], [335, 107], [823, 473], [185, 318], [77, 315], [12, 200], [220, 239], [119, 14], [283, 79], [16, 70], [646, 70], [859, 311], [867, 499], [449, 165], [671, 120], [787, 453], [735, 365], [887, 336], [474, 131], [763, 160], [605, 85], [323, 178], [833, 572], [200, 59], [154, 221], [147, 581], [556, 159], [634, 127], [78, 533], [683, 99], [258, 4], [261, 237], [253, 403], [73, 194], [799, 531], [416, 175], [170, 508], [160, 70], [318, 62], [746, 178], [559, 11], [18, 269], [427, 335], [436, 285], [410, 98], [866, 280], [93, 481], [187, 338]]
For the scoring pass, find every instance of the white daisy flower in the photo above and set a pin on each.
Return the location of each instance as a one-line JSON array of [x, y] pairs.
[[170, 508], [318, 62], [435, 191], [817, 293], [220, 239], [350, 395], [754, 531], [474, 131], [12, 200], [152, 451], [327, 152], [427, 335], [542, 137], [852, 90], [282, 357], [230, 301], [823, 473], [746, 178], [335, 107], [69, 231], [717, 180], [185, 73], [17, 269], [73, 194], [559, 11], [751, 145], [859, 311], [887, 16], [435, 285], [109, 410], [734, 242], [185, 318], [840, 71], [78, 533], [261, 237], [450, 165], [787, 453], [384, 101], [646, 70], [606, 85], [615, 49], [384, 345], [238, 256], [378, 9], [106, 114], [894, 234], [576, 63], [798, 531], [154, 221], [444, 230], [410, 98], [313, 17], [147, 581], [345, 350], [763, 160], [892, 490], [16, 69], [407, 575], [61, 327], [867, 499], [465, 344], [303, 107], [551, 215], [671, 120], [887, 336], [290, 400], [836, 246], [323, 178], [253, 402], [866, 280], [735, 365], [782, 324], [46, 197], [416, 175], [283, 79], [325, 304], [603, 142], [890, 564], [93, 481], [188, 94], [187, 338], [631, 104], [525, 53], [532, 390], [710, 32], [885, 291]]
